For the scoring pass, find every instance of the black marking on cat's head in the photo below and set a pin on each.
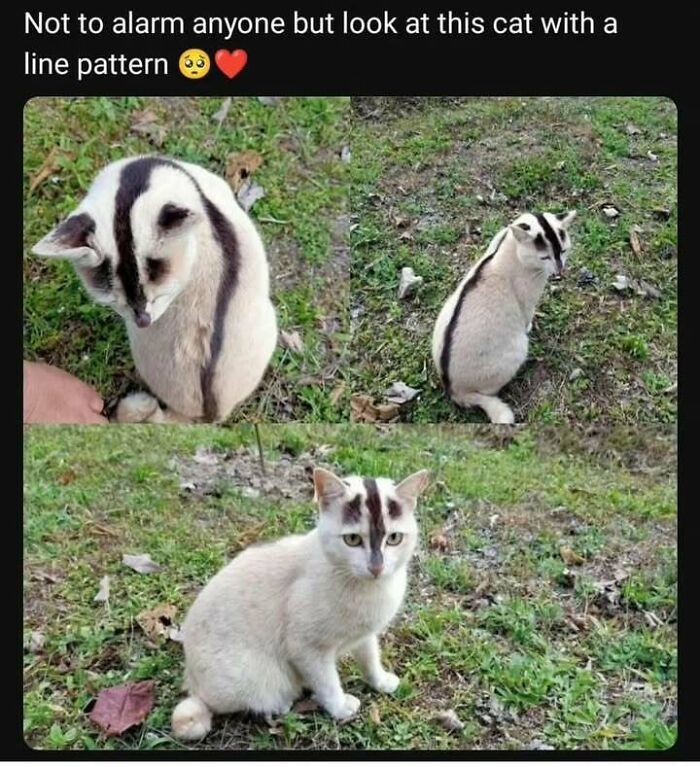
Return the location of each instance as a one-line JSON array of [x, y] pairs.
[[74, 231], [373, 501], [395, 510], [352, 511]]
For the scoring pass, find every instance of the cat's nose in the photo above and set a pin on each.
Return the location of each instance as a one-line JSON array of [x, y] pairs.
[[143, 319], [376, 569]]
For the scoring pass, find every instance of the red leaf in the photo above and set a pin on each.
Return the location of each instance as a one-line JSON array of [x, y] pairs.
[[121, 707]]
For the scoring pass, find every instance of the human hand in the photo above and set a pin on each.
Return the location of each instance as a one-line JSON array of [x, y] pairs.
[[53, 396]]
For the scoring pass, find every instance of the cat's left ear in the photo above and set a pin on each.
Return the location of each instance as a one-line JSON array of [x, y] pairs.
[[174, 219], [413, 486], [566, 218], [327, 487]]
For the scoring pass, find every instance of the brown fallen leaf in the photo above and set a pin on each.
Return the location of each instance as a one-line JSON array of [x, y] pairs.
[[291, 340], [240, 166], [145, 123], [158, 623], [124, 706], [363, 410], [337, 393], [306, 706], [635, 242], [439, 541], [142, 563], [249, 535], [67, 477], [50, 166], [374, 714], [570, 557]]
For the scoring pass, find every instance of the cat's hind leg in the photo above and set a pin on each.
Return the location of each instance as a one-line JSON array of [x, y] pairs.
[[141, 407], [191, 719], [495, 408]]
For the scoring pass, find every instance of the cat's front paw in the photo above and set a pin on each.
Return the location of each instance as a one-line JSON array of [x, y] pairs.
[[388, 682], [346, 709]]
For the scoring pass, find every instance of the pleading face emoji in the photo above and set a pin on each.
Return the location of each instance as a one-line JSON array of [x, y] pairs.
[[194, 63]]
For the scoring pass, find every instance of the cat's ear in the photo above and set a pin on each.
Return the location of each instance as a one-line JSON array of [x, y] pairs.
[[327, 487], [70, 239], [521, 232], [413, 486], [565, 219], [174, 219]]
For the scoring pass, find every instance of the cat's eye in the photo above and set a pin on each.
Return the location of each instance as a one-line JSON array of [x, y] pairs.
[[353, 539], [156, 267], [393, 539]]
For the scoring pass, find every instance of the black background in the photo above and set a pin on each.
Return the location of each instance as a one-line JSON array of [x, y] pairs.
[[654, 53]]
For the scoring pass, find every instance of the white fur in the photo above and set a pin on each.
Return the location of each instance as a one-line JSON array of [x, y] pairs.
[[169, 354], [275, 620], [490, 340]]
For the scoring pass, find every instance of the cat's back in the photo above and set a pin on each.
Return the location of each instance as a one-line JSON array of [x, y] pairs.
[[251, 590]]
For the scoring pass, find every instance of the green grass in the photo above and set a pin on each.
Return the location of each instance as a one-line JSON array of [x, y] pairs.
[[300, 219], [495, 626], [433, 179]]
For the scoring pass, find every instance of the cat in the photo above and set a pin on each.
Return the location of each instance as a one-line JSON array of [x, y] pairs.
[[166, 245], [275, 619], [480, 338]]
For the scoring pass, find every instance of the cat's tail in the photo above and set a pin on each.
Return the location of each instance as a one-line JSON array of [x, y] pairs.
[[495, 408], [141, 407], [191, 719]]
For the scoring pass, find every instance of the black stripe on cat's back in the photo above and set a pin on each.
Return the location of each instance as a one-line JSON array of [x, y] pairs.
[[226, 237], [446, 353]]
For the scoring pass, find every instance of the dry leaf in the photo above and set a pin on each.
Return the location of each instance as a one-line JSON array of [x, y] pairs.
[[621, 283], [439, 541], [635, 243], [142, 563], [337, 393], [408, 282], [611, 211], [47, 169], [119, 708], [67, 477], [363, 410], [158, 622], [345, 154], [240, 166], [222, 112], [306, 706], [570, 557], [103, 594], [374, 714], [400, 393], [291, 340], [401, 222], [249, 194], [146, 124], [269, 101], [448, 720]]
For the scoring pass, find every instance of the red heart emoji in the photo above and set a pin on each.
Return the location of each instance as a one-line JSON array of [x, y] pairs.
[[231, 62]]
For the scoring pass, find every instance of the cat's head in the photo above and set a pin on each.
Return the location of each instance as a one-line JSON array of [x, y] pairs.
[[132, 238], [368, 526], [542, 240]]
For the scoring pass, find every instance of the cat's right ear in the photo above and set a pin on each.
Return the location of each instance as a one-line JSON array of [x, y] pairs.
[[70, 240], [327, 487]]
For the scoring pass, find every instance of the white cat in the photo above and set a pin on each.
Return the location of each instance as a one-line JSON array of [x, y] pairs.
[[166, 245], [275, 620], [480, 338]]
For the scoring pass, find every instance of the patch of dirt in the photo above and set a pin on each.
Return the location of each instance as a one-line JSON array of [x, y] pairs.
[[209, 472]]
